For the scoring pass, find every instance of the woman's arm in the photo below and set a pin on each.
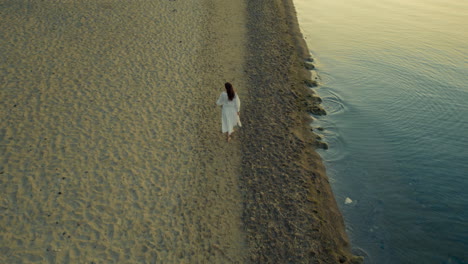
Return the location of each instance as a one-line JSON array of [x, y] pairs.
[[220, 100], [237, 103]]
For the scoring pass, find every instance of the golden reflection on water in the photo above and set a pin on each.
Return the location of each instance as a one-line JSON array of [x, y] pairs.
[[413, 24]]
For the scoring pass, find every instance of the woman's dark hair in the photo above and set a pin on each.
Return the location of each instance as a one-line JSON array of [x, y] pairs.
[[230, 91]]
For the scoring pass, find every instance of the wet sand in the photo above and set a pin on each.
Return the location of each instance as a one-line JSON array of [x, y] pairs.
[[290, 212], [110, 139]]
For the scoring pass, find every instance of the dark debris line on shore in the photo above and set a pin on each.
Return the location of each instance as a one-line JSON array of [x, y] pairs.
[[287, 212]]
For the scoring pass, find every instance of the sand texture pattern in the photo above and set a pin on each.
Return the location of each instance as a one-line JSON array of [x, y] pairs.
[[111, 148]]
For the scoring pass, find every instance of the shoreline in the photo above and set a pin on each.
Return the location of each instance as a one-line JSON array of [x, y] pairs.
[[111, 139], [290, 211]]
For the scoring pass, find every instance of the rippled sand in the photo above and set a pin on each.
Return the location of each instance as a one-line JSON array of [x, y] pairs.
[[110, 141]]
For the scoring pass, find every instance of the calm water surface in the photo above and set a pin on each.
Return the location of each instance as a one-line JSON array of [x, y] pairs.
[[394, 82]]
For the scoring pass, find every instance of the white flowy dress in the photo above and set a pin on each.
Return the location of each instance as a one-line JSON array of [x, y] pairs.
[[229, 116]]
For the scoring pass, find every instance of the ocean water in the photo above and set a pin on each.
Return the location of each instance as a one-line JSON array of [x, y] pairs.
[[393, 76]]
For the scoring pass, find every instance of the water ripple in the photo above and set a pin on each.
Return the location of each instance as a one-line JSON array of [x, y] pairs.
[[332, 102], [330, 134], [401, 145]]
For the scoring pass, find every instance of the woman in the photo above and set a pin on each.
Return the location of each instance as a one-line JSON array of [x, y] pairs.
[[230, 113]]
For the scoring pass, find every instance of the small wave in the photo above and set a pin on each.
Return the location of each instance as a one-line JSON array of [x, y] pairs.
[[330, 134], [333, 103], [362, 253], [325, 77]]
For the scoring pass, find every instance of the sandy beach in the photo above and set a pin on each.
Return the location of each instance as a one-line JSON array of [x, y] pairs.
[[111, 149]]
